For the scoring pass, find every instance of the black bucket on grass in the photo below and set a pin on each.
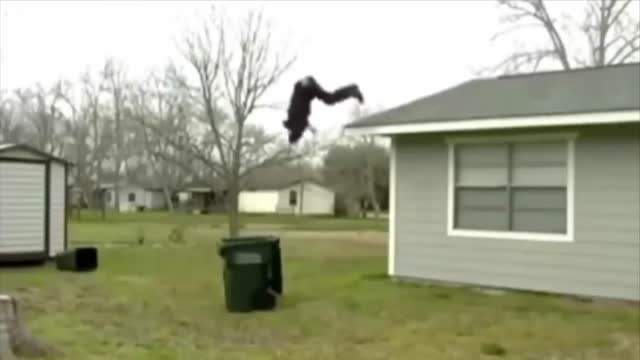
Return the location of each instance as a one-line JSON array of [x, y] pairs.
[[80, 259]]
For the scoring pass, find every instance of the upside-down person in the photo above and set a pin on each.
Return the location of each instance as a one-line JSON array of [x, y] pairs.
[[305, 91]]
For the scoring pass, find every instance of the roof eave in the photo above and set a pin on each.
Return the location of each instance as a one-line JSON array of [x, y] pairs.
[[33, 150], [599, 118]]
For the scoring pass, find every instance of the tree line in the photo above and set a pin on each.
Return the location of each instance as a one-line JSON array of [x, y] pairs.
[[189, 120], [166, 126]]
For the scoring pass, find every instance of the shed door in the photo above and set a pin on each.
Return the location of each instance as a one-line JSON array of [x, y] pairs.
[[57, 209], [22, 207]]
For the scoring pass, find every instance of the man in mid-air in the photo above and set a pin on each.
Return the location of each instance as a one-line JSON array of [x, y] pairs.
[[304, 91]]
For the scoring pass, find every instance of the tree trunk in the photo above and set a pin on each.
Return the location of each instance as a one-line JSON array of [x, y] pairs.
[[79, 211], [101, 192], [233, 212], [301, 211], [167, 198], [15, 337], [234, 184], [116, 190], [119, 146], [363, 207], [371, 189], [103, 204]]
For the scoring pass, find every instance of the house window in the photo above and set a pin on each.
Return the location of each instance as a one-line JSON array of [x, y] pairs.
[[293, 198], [132, 197], [512, 188]]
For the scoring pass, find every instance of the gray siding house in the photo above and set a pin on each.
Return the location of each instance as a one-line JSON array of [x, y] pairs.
[[525, 182]]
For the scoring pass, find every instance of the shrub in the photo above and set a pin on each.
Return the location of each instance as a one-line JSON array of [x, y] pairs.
[[493, 349]]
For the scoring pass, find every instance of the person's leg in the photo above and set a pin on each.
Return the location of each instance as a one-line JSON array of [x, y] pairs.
[[345, 92], [338, 95]]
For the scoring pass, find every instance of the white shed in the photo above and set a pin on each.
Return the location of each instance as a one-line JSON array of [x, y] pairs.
[[306, 198], [33, 204], [262, 201], [301, 197]]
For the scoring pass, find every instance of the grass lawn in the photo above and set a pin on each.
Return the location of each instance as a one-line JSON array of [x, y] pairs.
[[165, 301], [288, 222]]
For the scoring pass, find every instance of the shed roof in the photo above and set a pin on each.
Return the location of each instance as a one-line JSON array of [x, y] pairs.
[[28, 148], [266, 183], [588, 90]]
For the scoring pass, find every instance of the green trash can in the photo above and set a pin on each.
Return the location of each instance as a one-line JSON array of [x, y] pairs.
[[252, 272]]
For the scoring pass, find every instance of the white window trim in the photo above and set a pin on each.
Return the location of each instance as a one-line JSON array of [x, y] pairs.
[[513, 235], [610, 117], [391, 261]]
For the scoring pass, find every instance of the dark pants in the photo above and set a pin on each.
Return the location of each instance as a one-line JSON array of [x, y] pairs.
[[331, 97]]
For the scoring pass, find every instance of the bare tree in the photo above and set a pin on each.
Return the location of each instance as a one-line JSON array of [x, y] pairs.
[[114, 82], [41, 118], [156, 105], [357, 171], [59, 121], [76, 132], [234, 72], [370, 161], [11, 129], [609, 29], [100, 134]]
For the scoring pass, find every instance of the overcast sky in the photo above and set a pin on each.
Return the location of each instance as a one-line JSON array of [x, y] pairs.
[[396, 51]]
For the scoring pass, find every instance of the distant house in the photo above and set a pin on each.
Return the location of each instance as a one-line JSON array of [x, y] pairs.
[[201, 198], [302, 197], [133, 197], [76, 198], [526, 182]]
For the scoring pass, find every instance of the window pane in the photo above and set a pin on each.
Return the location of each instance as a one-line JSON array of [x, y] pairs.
[[539, 176], [546, 152], [481, 164], [539, 210], [481, 209], [483, 199], [539, 164]]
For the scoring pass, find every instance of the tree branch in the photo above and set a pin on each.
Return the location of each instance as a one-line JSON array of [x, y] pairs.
[[614, 19], [198, 54]]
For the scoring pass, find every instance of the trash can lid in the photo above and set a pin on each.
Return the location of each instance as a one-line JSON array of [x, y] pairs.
[[234, 242], [250, 238]]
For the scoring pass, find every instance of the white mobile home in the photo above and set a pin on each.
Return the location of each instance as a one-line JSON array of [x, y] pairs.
[[527, 182], [134, 197], [33, 204], [302, 197]]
